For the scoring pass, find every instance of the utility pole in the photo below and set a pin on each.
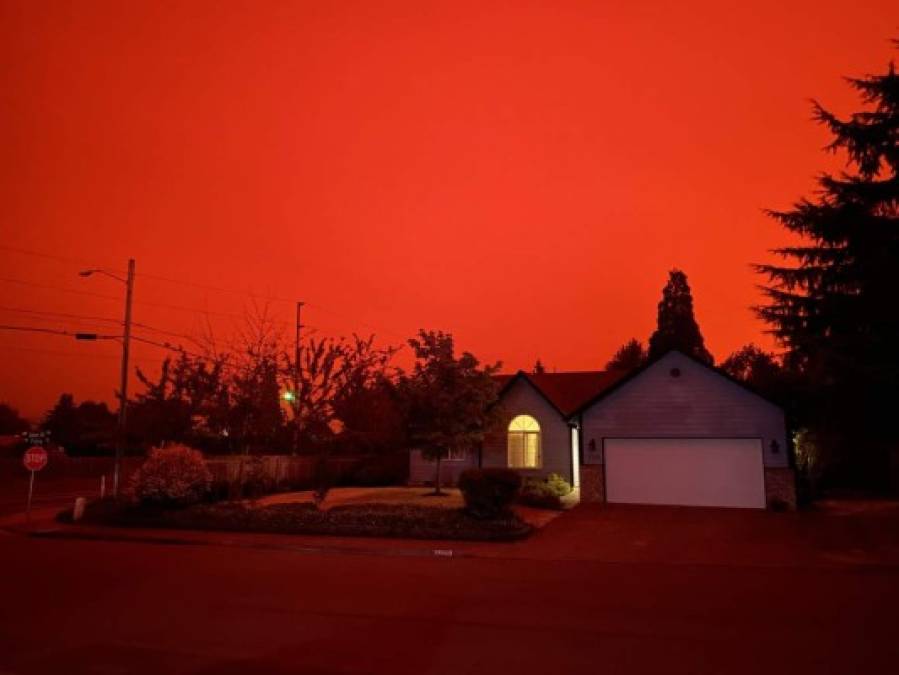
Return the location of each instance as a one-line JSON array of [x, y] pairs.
[[126, 344], [123, 388], [296, 384]]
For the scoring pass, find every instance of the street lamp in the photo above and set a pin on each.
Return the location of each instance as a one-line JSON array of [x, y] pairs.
[[123, 388], [87, 273]]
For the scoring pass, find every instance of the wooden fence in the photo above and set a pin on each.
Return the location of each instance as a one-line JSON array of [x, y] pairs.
[[295, 472]]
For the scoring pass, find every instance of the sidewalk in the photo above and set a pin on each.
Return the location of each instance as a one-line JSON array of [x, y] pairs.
[[45, 525], [646, 536]]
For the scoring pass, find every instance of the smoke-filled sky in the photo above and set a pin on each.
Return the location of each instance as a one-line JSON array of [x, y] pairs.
[[522, 174]]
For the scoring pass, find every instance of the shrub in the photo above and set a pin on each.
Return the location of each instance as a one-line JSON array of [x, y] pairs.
[[172, 476], [545, 493], [489, 493]]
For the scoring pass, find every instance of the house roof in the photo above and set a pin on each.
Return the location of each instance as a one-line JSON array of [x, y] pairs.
[[626, 377], [565, 391]]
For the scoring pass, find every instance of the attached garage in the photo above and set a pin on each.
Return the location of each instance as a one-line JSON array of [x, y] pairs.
[[680, 432], [685, 471]]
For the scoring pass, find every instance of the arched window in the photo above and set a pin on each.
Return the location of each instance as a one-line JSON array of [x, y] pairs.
[[524, 443]]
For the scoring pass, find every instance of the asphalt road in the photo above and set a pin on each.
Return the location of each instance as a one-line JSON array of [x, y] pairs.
[[48, 491], [73, 606]]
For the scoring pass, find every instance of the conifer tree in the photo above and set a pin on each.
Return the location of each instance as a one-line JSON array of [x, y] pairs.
[[629, 356], [677, 327], [833, 302]]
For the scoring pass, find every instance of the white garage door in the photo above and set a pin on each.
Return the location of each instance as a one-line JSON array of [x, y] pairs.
[[687, 471]]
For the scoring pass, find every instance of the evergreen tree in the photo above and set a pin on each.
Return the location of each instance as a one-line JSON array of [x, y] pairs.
[[539, 368], [630, 356], [833, 302], [677, 327]]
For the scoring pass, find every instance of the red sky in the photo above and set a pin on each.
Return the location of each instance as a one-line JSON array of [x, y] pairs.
[[521, 174]]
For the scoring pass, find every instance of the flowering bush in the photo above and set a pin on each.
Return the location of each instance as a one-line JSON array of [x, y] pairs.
[[545, 493], [172, 476]]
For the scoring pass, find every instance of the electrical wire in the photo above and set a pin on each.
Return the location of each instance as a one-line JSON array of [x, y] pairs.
[[257, 296], [54, 331]]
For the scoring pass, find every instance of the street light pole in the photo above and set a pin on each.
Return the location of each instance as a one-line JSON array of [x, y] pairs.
[[123, 384], [123, 387]]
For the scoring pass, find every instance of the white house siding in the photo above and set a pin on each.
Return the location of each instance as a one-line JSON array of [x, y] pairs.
[[700, 403], [521, 398], [422, 471]]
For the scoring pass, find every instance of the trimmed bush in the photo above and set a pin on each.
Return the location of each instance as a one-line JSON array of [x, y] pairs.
[[172, 476], [545, 493], [489, 493]]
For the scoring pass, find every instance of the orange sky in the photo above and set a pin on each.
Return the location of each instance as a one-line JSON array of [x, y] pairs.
[[521, 174]]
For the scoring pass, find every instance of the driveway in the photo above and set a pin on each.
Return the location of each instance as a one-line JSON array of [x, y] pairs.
[[857, 532]]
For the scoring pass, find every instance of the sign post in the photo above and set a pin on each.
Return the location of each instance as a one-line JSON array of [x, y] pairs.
[[35, 459]]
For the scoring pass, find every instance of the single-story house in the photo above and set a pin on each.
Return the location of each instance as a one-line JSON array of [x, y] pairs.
[[675, 431]]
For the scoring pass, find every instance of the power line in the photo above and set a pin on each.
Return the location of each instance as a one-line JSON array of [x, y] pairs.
[[169, 346], [49, 287], [144, 275], [146, 303], [50, 256], [64, 315], [54, 331], [184, 282], [59, 352]]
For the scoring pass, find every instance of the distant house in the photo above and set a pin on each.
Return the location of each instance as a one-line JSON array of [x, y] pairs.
[[675, 431]]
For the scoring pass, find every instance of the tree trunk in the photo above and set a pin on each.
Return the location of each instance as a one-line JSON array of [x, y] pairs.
[[437, 478]]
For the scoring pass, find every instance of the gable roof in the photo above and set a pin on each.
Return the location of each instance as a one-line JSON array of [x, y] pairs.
[[568, 391], [633, 374]]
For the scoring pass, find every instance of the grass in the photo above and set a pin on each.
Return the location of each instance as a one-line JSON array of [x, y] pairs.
[[362, 520]]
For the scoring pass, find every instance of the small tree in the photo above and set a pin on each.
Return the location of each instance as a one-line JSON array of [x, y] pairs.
[[448, 400], [677, 327], [11, 422], [630, 356], [539, 368]]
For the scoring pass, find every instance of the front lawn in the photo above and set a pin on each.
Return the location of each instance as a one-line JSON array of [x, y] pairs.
[[362, 520], [346, 496]]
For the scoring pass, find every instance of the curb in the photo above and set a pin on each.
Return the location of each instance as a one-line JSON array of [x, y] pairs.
[[294, 548]]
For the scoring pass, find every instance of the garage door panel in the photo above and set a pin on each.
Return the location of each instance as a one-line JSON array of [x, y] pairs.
[[685, 471]]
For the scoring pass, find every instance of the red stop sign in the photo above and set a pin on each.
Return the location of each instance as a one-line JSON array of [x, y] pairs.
[[35, 458]]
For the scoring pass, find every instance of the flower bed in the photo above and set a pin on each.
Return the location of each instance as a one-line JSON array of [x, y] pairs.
[[363, 520]]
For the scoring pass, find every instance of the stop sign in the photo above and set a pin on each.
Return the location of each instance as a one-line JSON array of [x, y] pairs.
[[35, 458]]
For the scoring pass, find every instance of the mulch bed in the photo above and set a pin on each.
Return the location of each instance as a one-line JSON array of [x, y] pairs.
[[365, 520]]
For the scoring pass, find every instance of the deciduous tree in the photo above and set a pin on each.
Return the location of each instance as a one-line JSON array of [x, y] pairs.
[[448, 399]]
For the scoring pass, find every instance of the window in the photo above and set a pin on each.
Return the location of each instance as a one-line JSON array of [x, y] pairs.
[[524, 443], [456, 455]]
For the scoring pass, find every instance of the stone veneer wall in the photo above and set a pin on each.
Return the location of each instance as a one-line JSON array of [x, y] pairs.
[[593, 483], [780, 485]]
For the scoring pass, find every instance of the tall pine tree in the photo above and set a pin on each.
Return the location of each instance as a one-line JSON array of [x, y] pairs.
[[677, 327], [833, 302]]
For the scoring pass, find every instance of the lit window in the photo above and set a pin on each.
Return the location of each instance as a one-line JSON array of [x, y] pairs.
[[524, 443]]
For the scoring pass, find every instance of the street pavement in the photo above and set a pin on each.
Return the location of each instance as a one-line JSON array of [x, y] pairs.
[[627, 591]]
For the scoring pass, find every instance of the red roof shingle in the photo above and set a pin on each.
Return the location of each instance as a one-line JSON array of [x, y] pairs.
[[568, 391]]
